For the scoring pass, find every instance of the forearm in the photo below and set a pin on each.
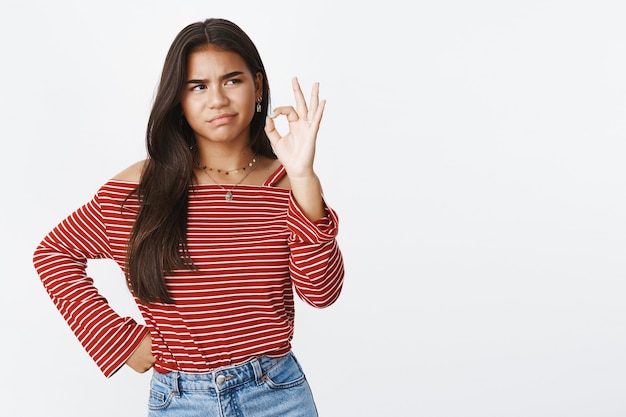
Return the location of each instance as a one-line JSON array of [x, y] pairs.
[[317, 272], [316, 263]]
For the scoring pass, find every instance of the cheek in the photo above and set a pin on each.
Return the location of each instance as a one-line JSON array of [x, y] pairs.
[[190, 109]]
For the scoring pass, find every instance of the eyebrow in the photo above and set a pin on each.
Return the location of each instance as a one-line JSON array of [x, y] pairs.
[[223, 77]]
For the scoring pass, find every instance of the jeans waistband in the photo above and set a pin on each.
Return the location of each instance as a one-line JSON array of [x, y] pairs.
[[220, 379]]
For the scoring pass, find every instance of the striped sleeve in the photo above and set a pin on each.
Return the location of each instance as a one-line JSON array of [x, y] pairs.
[[316, 263], [61, 261]]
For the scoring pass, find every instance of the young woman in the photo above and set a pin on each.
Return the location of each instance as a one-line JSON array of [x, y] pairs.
[[214, 231]]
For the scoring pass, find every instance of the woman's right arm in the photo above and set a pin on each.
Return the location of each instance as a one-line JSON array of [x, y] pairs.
[[61, 262]]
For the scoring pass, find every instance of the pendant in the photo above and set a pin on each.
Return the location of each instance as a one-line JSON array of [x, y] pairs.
[[228, 196]]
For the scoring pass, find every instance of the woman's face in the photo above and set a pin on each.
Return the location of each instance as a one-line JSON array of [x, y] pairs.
[[219, 96]]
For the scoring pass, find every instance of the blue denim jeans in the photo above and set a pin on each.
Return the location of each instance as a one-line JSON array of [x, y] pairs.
[[263, 387]]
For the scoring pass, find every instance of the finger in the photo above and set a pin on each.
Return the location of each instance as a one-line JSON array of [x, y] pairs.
[[314, 101], [316, 118], [299, 97], [289, 111], [270, 131]]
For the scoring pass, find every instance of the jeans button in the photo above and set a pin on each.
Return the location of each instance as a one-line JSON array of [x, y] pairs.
[[220, 379]]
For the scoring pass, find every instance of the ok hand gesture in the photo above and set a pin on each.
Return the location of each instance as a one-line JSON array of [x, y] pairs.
[[296, 149]]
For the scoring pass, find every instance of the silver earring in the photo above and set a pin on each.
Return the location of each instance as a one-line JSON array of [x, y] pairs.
[[258, 106]]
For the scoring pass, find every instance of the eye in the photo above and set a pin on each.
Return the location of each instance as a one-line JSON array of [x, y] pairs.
[[198, 87], [232, 81]]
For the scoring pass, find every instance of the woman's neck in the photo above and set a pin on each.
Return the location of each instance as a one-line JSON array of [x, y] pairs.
[[225, 160]]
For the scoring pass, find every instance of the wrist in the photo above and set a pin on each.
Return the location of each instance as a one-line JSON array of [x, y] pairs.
[[305, 180]]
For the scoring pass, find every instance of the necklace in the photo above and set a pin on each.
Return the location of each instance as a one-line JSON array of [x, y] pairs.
[[236, 170], [229, 193]]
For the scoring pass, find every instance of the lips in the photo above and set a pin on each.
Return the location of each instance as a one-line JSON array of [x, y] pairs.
[[222, 119]]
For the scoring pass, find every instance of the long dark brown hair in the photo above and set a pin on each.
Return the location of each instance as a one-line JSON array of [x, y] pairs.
[[158, 240]]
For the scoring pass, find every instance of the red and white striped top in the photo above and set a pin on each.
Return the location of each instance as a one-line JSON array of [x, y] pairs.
[[250, 253]]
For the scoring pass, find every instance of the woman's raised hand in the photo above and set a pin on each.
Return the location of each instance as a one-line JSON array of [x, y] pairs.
[[296, 149]]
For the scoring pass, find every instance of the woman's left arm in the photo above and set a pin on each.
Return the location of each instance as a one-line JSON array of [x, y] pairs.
[[316, 263], [296, 149]]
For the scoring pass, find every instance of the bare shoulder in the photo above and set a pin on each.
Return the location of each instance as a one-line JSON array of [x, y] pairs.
[[132, 173], [268, 167]]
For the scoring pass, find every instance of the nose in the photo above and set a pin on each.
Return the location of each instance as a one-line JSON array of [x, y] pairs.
[[216, 98]]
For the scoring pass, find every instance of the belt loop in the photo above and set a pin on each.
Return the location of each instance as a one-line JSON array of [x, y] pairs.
[[175, 383], [258, 371]]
